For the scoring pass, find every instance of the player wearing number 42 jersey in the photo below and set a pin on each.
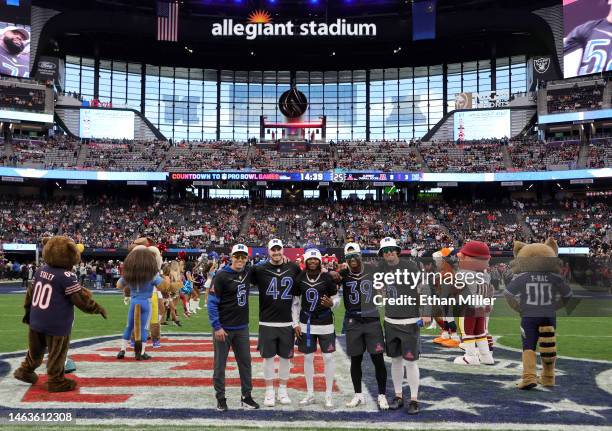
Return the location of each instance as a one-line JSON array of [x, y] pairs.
[[313, 320], [228, 312], [275, 280], [363, 330]]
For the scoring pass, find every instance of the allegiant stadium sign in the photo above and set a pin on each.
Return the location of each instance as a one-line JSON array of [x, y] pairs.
[[259, 24]]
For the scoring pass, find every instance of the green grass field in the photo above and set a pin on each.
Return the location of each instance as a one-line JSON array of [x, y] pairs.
[[580, 337]]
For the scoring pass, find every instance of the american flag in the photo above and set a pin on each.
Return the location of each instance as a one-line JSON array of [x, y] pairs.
[[167, 21]]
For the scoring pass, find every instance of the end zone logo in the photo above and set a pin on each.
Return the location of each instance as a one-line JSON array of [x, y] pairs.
[[260, 24]]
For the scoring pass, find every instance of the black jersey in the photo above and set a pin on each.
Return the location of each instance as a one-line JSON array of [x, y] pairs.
[[276, 290], [401, 291], [358, 292], [539, 293], [230, 290], [311, 292], [595, 39]]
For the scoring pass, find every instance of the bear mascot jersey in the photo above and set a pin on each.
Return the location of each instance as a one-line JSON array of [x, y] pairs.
[[49, 311], [536, 292]]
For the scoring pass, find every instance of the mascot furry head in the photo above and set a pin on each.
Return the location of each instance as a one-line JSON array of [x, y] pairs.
[[61, 252], [536, 257]]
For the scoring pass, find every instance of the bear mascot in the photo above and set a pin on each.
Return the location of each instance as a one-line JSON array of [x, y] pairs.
[[49, 311], [536, 292]]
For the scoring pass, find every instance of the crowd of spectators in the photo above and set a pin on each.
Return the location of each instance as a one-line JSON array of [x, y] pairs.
[[196, 156], [576, 98], [532, 155], [483, 156], [113, 223], [22, 99]]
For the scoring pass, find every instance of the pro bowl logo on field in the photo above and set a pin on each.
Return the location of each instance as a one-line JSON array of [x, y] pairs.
[[175, 388]]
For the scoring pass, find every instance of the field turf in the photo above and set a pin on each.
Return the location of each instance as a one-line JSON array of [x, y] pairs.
[[579, 336]]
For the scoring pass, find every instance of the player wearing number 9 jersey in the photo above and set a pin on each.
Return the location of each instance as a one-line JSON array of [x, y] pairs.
[[228, 312], [316, 295], [275, 280], [363, 330]]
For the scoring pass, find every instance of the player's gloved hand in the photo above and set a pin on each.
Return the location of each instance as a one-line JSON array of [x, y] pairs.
[[420, 323], [424, 321], [220, 335], [126, 300], [327, 302], [103, 313]]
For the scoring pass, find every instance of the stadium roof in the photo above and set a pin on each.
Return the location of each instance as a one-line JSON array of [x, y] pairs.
[[466, 30]]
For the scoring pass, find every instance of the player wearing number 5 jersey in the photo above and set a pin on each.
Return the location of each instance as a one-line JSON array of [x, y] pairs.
[[363, 330], [275, 280], [402, 331], [228, 312], [313, 320]]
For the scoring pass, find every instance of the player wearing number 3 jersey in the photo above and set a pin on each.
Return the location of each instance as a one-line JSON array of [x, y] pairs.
[[275, 280], [313, 320], [228, 312]]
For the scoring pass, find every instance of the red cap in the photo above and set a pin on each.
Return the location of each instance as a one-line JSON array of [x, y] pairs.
[[477, 249]]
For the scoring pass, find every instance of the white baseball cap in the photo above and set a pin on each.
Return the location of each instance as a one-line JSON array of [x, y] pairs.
[[240, 248], [275, 242], [352, 248], [388, 242], [23, 31], [312, 253]]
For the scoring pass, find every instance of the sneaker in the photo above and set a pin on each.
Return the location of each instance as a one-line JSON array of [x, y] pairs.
[[164, 323], [156, 344], [309, 399], [328, 401], [396, 404], [143, 357], [178, 323], [221, 405], [283, 398], [413, 407], [269, 400], [358, 399], [486, 359], [249, 403], [382, 402], [121, 354]]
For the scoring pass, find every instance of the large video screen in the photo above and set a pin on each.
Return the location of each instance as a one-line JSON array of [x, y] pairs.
[[482, 124], [587, 38], [106, 124], [15, 37]]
